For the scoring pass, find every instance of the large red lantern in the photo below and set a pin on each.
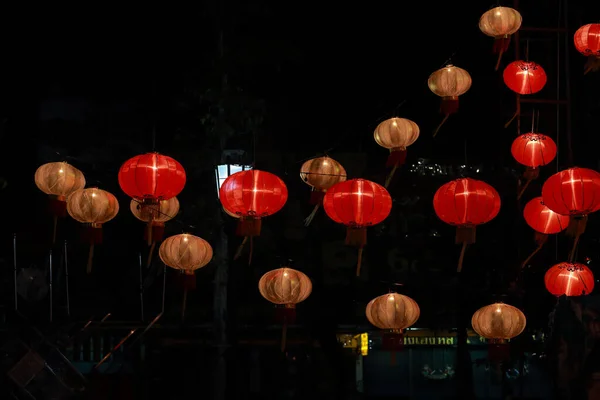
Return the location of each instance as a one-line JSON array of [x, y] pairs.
[[358, 204], [252, 195], [466, 203], [587, 42], [524, 77], [569, 279], [150, 178], [544, 222], [532, 150], [575, 192]]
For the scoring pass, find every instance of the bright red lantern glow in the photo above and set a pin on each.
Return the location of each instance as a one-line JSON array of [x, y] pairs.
[[542, 219], [569, 279], [152, 176], [524, 77], [574, 191], [533, 150], [587, 40], [253, 193], [466, 202], [357, 203]]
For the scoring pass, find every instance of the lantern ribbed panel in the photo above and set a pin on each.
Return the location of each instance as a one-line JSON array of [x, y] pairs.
[[587, 40], [396, 133], [357, 203], [253, 193], [152, 176], [498, 321], [533, 150], [542, 219], [285, 286], [524, 77], [449, 81], [322, 172], [574, 191], [59, 179], [185, 252], [164, 211], [92, 206], [569, 279], [466, 202], [393, 311], [500, 22]]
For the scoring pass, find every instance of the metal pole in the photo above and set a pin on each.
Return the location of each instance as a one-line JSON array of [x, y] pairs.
[[50, 285], [15, 270], [67, 279], [141, 288]]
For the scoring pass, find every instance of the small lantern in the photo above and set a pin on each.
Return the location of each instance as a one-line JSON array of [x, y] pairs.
[[320, 173], [449, 83], [498, 323]]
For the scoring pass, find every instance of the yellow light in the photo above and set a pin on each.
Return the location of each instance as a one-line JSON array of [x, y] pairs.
[[364, 344]]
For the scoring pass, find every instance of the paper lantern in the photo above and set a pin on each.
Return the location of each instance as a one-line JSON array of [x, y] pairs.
[[393, 313], [155, 216], [58, 180], [587, 42], [253, 195], [466, 203], [358, 204], [320, 173], [186, 253], [569, 279], [524, 77], [449, 83], [396, 134], [93, 207], [285, 287], [500, 23], [498, 323], [532, 150], [544, 222]]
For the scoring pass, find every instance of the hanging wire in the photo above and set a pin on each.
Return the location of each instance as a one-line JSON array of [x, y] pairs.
[[557, 107]]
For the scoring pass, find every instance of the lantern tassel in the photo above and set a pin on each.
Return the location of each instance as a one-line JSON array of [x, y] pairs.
[[512, 119], [359, 261], [149, 232], [500, 53], [440, 125], [397, 157], [90, 259], [251, 249], [527, 182], [311, 216], [316, 196], [537, 249], [150, 254], [390, 176], [461, 258], [238, 252]]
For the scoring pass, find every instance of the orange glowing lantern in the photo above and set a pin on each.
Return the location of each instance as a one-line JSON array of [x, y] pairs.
[[498, 323], [500, 23], [396, 134], [587, 42], [93, 207], [449, 83]]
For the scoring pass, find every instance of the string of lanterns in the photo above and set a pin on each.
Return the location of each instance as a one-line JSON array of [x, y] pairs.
[[153, 181]]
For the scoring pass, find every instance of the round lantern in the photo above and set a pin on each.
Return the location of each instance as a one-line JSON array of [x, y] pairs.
[[320, 173], [587, 42], [358, 204], [524, 77], [569, 279], [449, 83], [500, 23], [498, 323], [393, 313], [92, 207], [396, 134], [155, 215], [544, 222], [466, 203], [58, 180], [532, 150], [252, 194], [285, 287]]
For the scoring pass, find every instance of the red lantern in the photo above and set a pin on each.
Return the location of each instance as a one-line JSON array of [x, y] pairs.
[[466, 203], [543, 221], [357, 203], [525, 77], [569, 279], [587, 42], [532, 150], [252, 194], [575, 192], [150, 178]]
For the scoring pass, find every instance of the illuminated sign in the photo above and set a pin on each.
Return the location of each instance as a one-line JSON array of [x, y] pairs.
[[364, 344]]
